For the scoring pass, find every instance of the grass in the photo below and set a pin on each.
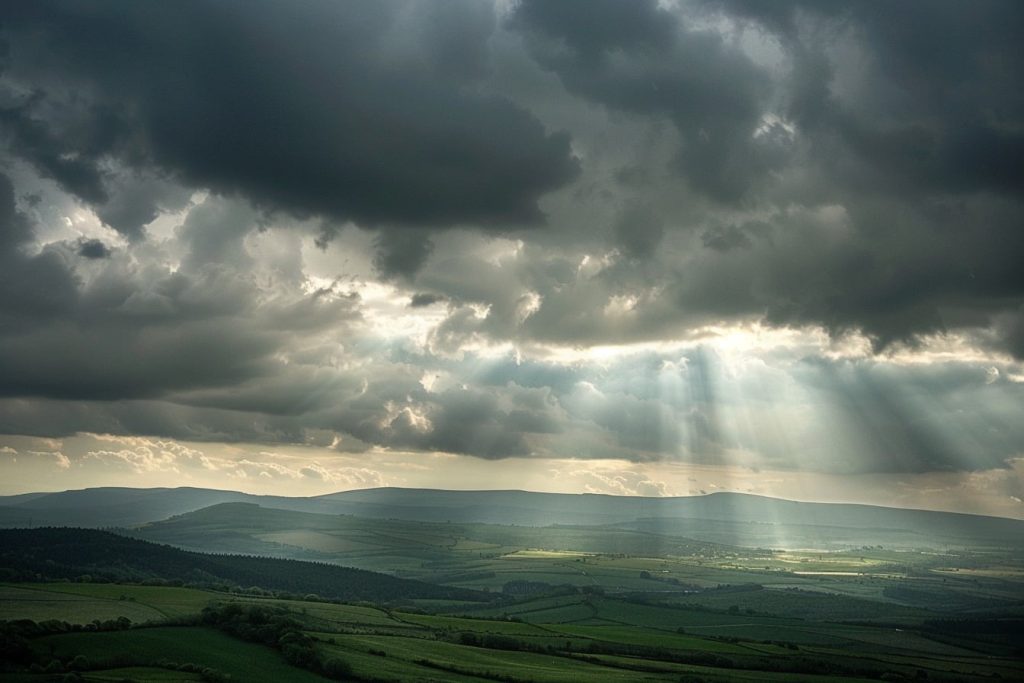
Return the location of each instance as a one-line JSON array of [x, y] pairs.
[[140, 673], [569, 637], [146, 674], [209, 648], [170, 601], [486, 663], [647, 637], [711, 674], [784, 623], [509, 628], [40, 604]]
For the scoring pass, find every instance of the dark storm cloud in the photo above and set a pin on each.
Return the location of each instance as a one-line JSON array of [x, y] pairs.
[[93, 249], [32, 286], [638, 58], [910, 116], [725, 237], [943, 102], [362, 111], [424, 299], [46, 145], [907, 118], [401, 253], [638, 230]]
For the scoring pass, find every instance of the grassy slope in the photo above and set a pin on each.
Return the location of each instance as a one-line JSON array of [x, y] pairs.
[[68, 552], [40, 604], [486, 557], [361, 633], [245, 662]]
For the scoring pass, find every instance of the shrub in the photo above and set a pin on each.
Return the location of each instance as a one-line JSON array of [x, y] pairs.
[[337, 668], [79, 663]]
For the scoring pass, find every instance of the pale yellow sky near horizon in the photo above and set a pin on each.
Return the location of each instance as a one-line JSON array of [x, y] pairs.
[[30, 464]]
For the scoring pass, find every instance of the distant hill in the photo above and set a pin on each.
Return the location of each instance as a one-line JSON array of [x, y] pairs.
[[718, 517], [414, 549], [68, 553], [110, 506]]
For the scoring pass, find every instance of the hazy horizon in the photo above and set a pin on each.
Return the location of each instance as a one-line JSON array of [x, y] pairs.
[[509, 490]]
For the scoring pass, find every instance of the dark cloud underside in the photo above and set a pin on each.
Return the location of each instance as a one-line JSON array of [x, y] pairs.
[[312, 107]]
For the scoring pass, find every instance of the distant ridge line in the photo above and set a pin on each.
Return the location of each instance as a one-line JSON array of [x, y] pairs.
[[34, 498]]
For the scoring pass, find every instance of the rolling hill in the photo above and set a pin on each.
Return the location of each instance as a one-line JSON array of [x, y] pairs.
[[69, 553], [732, 518]]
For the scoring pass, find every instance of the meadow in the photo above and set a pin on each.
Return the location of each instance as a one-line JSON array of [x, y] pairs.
[[486, 602], [727, 634]]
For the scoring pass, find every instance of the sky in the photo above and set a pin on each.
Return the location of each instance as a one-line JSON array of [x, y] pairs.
[[627, 247]]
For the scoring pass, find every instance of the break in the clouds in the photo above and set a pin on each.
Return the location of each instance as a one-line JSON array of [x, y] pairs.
[[776, 235]]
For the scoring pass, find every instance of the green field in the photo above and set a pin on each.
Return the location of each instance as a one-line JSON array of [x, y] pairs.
[[83, 602], [557, 604], [546, 639], [182, 644]]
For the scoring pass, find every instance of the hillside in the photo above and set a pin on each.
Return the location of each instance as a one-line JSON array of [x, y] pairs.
[[730, 518], [68, 553], [431, 551]]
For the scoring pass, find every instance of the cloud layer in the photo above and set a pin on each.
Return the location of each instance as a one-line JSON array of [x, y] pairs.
[[782, 235]]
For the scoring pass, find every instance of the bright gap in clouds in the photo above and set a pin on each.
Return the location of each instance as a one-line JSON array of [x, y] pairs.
[[775, 410]]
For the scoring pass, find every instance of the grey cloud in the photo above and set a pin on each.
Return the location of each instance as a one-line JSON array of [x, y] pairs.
[[401, 253], [920, 152], [638, 230], [39, 285], [638, 58], [359, 114], [45, 146], [132, 330], [93, 249], [424, 299], [135, 199], [725, 237]]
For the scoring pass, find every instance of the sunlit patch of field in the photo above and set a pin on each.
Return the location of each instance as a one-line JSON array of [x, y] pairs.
[[1006, 573], [533, 554], [826, 561]]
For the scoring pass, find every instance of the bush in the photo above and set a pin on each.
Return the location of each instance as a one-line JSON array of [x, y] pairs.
[[79, 663], [54, 666], [337, 668]]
